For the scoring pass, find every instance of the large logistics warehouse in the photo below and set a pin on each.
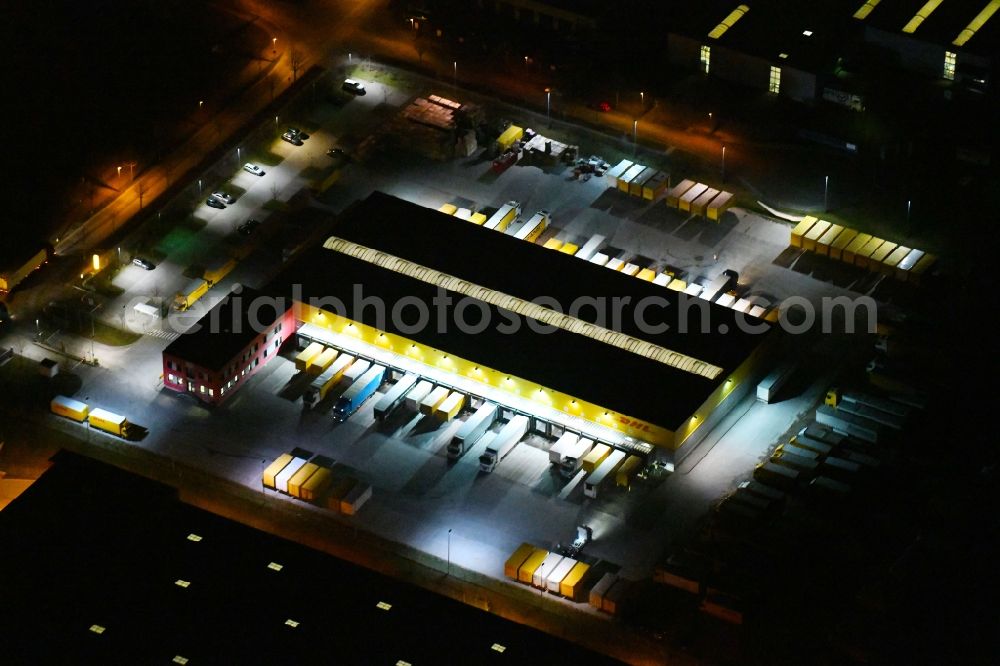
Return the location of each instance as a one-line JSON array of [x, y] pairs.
[[664, 388]]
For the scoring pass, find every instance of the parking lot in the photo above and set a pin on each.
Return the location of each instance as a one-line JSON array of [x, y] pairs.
[[419, 499]]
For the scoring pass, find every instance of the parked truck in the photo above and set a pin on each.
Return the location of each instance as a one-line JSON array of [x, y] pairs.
[[470, 432], [271, 472], [194, 290], [559, 573], [849, 424], [358, 368], [504, 216], [595, 457], [321, 386], [592, 484], [323, 360], [563, 444], [433, 399], [770, 473], [360, 390], [602, 587], [298, 479], [534, 227], [450, 407], [305, 357], [573, 584], [394, 396], [69, 408], [218, 270], [517, 558], [572, 459], [288, 471], [312, 490], [502, 444], [767, 389], [109, 423]]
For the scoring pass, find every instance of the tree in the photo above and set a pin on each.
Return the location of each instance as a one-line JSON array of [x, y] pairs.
[[295, 60]]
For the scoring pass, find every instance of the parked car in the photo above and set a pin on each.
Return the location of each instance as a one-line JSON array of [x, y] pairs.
[[224, 197], [353, 87], [144, 264], [337, 153], [297, 133], [291, 138], [214, 203], [249, 167], [247, 227]]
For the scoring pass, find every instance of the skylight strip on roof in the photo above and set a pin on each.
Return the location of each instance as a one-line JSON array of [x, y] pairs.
[[728, 22], [866, 9], [545, 315], [921, 15], [975, 24]]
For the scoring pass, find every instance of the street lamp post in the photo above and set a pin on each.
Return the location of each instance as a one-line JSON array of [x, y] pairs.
[[826, 190], [548, 104], [908, 202], [455, 73], [119, 174], [635, 135], [642, 98], [723, 163], [449, 551], [238, 155]]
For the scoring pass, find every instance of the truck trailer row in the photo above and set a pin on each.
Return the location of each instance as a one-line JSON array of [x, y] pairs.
[[97, 418], [548, 571], [312, 482]]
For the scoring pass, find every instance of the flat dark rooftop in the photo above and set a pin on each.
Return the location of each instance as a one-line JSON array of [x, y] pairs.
[[89, 544], [568, 362], [213, 346]]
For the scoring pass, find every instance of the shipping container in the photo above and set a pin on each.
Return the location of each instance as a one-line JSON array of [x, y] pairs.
[[69, 408], [801, 229], [478, 218], [463, 214], [540, 578], [883, 404], [602, 587], [626, 473], [338, 490], [861, 257], [684, 203], [814, 234], [287, 472], [824, 487], [646, 274], [636, 184], [852, 248], [300, 477], [599, 258], [394, 396], [504, 216], [656, 185], [722, 283], [553, 244], [554, 579], [569, 248], [891, 262], [417, 394], [678, 285], [450, 407], [822, 434], [433, 399], [355, 498], [272, 470], [565, 443], [675, 193], [448, 209], [575, 581], [719, 206], [804, 465], [514, 562], [915, 275], [630, 174], [534, 227], [630, 269], [501, 445], [762, 490], [527, 570], [699, 206], [313, 488], [662, 279], [878, 257], [592, 484], [614, 173], [768, 388], [305, 357], [848, 424], [218, 270], [872, 414], [114, 424], [615, 264], [806, 442], [799, 451], [358, 368], [827, 239], [841, 469], [595, 457], [616, 597], [770, 473], [845, 238], [907, 263], [590, 248], [319, 364], [470, 431]]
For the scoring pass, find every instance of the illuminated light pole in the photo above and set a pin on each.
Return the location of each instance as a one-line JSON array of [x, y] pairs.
[[455, 73], [826, 190], [350, 58], [274, 44], [723, 163], [201, 103], [119, 174], [199, 186], [642, 98], [449, 551], [548, 104], [908, 202], [635, 135], [238, 158], [525, 63]]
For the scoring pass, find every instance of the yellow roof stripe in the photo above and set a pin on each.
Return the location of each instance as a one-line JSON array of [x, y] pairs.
[[524, 308], [866, 9], [975, 24], [729, 21], [921, 15]]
